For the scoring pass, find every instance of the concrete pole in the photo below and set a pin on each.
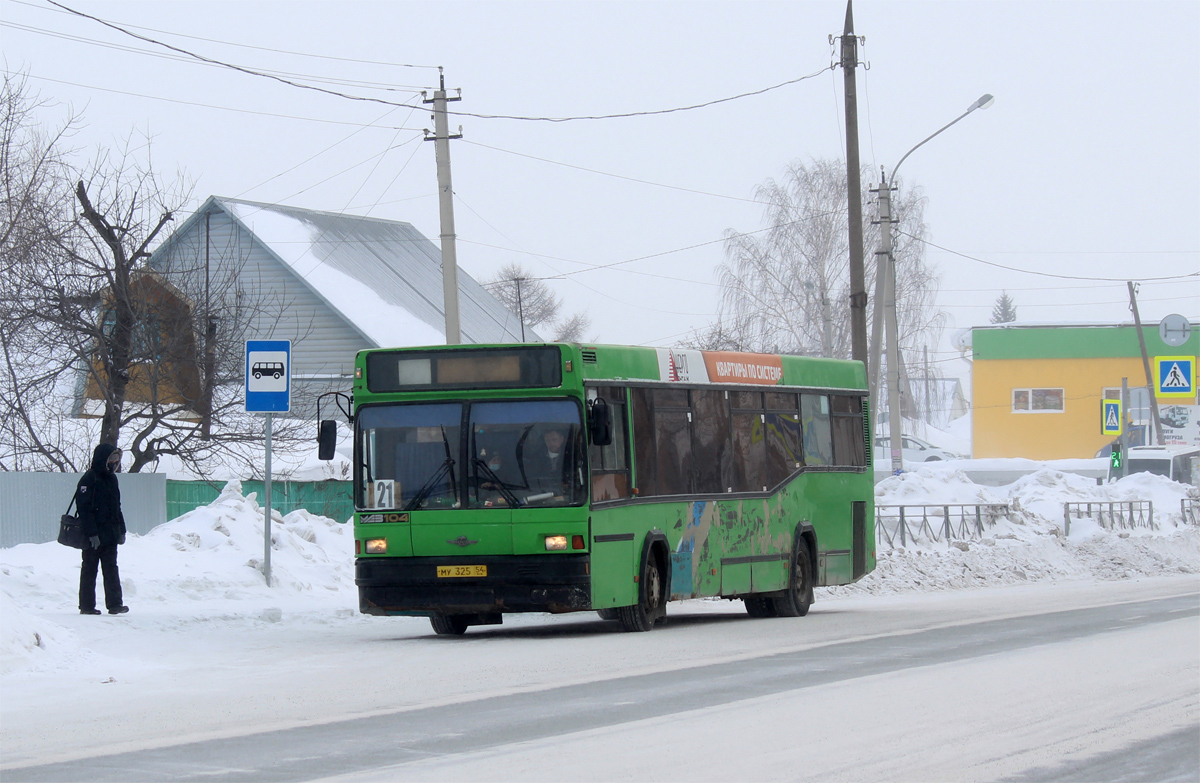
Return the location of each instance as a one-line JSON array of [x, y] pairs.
[[858, 288], [895, 408], [1150, 384], [441, 143]]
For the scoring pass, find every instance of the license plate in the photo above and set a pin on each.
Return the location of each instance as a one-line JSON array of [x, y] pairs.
[[463, 570]]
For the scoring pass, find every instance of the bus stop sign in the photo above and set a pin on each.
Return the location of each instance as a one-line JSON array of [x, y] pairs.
[[268, 376]]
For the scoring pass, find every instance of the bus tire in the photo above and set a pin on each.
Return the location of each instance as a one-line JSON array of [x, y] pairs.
[[448, 624], [608, 614], [760, 607], [651, 605], [799, 594]]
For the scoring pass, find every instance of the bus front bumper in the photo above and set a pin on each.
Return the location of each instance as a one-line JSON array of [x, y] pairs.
[[514, 583]]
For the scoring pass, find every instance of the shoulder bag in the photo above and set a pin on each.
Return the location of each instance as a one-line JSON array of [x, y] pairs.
[[70, 531]]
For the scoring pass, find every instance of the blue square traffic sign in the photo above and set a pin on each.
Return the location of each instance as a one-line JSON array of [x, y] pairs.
[[268, 376], [1176, 376]]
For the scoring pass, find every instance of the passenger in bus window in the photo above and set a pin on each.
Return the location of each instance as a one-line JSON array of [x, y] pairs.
[[546, 463]]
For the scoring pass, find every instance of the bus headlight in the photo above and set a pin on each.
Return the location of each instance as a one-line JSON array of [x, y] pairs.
[[376, 546], [556, 542]]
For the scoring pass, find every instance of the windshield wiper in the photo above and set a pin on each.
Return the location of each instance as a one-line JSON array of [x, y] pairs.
[[499, 483], [423, 492]]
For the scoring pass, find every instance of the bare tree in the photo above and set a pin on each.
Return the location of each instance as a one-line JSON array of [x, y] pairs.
[[571, 330], [786, 289], [532, 301], [87, 324]]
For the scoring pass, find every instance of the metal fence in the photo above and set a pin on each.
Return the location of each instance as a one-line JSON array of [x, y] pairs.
[[900, 525], [1111, 515], [31, 504], [333, 499], [1189, 509]]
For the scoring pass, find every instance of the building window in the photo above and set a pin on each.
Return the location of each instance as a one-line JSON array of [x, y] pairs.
[[1037, 400]]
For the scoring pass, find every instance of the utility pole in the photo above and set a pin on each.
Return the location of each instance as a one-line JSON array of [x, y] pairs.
[[895, 407], [858, 286], [1137, 320], [441, 143], [520, 307]]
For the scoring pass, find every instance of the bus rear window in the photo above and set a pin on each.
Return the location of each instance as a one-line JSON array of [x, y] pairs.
[[502, 368]]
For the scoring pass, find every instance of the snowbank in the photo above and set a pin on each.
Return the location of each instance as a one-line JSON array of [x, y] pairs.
[[1029, 544], [207, 563]]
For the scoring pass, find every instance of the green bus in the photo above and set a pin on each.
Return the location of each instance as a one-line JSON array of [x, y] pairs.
[[559, 477]]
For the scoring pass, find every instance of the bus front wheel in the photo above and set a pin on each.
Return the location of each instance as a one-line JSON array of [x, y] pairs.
[[799, 596], [651, 605], [448, 624]]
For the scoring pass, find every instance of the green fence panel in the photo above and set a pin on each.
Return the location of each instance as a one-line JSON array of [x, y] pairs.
[[333, 499]]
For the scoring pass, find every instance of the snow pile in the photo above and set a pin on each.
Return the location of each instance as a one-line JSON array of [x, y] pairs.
[[1029, 544], [207, 563]]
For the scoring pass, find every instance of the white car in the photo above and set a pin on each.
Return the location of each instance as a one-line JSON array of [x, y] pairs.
[[914, 450]]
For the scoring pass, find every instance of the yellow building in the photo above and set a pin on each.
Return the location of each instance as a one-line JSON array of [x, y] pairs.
[[1036, 390]]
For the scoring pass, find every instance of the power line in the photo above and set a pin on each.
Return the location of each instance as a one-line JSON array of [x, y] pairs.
[[371, 99], [180, 58], [241, 45], [213, 106], [649, 112], [1046, 274], [609, 174]]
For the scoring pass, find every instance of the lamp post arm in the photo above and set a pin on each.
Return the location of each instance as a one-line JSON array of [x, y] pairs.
[[935, 133]]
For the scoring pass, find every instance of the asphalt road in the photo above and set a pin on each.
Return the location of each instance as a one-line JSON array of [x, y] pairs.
[[386, 741]]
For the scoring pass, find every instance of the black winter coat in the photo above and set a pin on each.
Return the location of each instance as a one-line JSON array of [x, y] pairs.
[[98, 500]]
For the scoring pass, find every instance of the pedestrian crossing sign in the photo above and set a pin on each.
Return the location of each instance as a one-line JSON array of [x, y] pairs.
[[1176, 376], [1110, 417]]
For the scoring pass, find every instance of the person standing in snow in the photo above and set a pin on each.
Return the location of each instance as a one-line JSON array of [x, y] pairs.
[[98, 498]]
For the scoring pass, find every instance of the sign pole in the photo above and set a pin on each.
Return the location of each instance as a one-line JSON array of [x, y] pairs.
[[269, 391], [267, 509]]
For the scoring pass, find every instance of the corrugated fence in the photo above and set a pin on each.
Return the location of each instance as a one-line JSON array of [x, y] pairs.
[[31, 503]]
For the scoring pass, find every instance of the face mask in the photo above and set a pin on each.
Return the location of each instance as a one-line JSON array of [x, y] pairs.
[[114, 466]]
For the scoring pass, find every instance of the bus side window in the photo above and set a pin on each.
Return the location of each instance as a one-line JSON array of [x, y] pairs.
[[814, 422], [610, 464], [643, 441], [849, 444], [711, 447]]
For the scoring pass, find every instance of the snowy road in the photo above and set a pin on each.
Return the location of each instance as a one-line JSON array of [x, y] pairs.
[[1045, 683]]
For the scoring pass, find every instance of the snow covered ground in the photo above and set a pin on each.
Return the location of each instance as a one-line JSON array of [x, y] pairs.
[[208, 650]]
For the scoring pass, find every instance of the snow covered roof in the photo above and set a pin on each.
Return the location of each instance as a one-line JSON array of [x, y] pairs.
[[382, 276]]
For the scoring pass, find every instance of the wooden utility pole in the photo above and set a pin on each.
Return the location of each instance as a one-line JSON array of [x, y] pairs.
[[858, 286], [1137, 321]]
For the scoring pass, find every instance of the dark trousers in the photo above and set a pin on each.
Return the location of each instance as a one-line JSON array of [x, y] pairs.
[[105, 557]]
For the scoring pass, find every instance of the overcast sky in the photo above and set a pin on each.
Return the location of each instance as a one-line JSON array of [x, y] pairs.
[[1088, 164]]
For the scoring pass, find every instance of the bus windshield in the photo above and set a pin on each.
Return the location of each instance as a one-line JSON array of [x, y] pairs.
[[514, 454], [526, 453], [409, 456]]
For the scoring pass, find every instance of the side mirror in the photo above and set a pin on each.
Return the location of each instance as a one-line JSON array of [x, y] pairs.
[[326, 439], [600, 422]]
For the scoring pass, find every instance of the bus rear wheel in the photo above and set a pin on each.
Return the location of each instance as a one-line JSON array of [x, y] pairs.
[[448, 624], [651, 606], [799, 595], [609, 614]]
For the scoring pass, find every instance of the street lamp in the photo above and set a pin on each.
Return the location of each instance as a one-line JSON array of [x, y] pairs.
[[885, 298]]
